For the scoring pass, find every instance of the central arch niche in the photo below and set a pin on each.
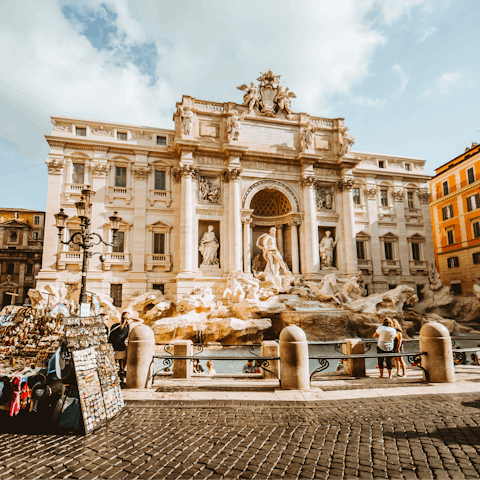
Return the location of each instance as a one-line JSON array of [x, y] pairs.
[[270, 202], [272, 208]]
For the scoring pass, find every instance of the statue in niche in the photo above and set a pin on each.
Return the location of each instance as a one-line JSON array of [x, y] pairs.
[[208, 191], [326, 250], [209, 247], [306, 139], [274, 262], [324, 199], [186, 116], [234, 125], [250, 99]]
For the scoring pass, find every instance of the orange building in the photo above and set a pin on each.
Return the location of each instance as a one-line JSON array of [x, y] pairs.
[[455, 212]]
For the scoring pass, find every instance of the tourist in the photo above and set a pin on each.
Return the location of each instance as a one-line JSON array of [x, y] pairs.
[[211, 370], [386, 335], [118, 335], [398, 347], [340, 366], [197, 368], [477, 356], [258, 366], [249, 367]]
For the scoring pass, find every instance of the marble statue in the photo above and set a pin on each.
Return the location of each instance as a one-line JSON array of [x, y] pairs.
[[346, 140], [234, 291], [209, 247], [306, 138], [284, 100], [208, 191], [327, 245], [250, 99], [252, 286], [324, 199], [276, 271], [186, 116], [234, 126]]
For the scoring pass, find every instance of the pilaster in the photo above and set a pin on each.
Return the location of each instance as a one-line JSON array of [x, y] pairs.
[[310, 227], [349, 238]]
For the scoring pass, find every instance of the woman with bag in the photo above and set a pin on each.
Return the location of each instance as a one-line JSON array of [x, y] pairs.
[[118, 335]]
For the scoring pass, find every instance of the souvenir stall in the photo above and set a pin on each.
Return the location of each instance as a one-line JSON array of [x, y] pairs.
[[62, 368]]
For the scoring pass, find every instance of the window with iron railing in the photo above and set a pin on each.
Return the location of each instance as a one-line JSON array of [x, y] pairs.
[[441, 192]]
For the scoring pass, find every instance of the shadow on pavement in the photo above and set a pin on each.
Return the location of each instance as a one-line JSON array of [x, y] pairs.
[[454, 435]]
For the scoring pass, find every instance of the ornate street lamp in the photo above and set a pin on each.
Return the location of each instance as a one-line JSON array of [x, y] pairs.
[[85, 239]]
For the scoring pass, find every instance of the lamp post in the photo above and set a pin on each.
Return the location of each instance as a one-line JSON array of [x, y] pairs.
[[85, 239]]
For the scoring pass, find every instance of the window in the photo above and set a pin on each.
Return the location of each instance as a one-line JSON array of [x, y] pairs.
[[473, 202], [361, 251], [81, 132], [470, 175], [476, 229], [445, 188], [78, 175], [159, 286], [384, 198], [10, 268], [13, 238], [476, 258], [159, 243], [447, 212], [29, 268], [408, 167], [119, 243], [392, 287], [116, 294], [456, 288], [121, 136], [452, 262], [410, 200], [388, 250], [416, 251], [35, 235], [450, 237], [160, 179], [356, 196], [381, 164], [161, 140], [120, 176], [73, 246], [36, 220]]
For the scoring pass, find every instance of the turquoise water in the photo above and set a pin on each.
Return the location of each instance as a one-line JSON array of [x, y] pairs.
[[235, 366]]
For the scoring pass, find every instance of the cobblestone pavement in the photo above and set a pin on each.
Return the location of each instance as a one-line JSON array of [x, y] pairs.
[[396, 437]]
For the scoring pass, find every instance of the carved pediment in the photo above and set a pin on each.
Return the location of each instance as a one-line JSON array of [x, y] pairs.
[[159, 224]]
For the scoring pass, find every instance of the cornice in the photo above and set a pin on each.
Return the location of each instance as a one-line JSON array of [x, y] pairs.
[[55, 143]]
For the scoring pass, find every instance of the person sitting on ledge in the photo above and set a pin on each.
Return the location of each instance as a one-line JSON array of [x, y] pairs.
[[197, 368], [386, 335], [211, 370], [249, 367]]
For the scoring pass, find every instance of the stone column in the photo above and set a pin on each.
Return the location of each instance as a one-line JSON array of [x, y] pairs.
[[349, 240], [140, 176], [279, 228], [50, 241], [403, 245], [247, 247], [295, 253], [21, 283], [232, 176], [427, 226], [186, 173], [371, 193], [310, 227]]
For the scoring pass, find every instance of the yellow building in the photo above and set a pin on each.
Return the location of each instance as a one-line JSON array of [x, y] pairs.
[[21, 247], [455, 212]]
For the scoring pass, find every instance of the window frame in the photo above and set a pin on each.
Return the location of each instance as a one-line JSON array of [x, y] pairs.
[[164, 171], [445, 188], [80, 129], [384, 198], [364, 249], [473, 199], [116, 245], [447, 212], [452, 232], [408, 167], [36, 220], [116, 176], [74, 164], [411, 200], [123, 134], [357, 197], [381, 164], [392, 251], [161, 140], [476, 258], [453, 262], [475, 229], [470, 169]]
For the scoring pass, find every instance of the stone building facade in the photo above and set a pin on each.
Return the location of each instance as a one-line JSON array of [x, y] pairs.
[[455, 210], [239, 169], [21, 246]]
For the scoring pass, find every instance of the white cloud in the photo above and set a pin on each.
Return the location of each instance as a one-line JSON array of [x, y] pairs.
[[444, 84], [392, 10], [428, 32], [398, 69], [370, 102]]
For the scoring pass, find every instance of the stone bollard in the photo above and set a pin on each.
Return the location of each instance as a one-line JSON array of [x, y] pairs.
[[140, 351], [436, 342], [182, 368], [355, 367], [294, 359], [270, 349]]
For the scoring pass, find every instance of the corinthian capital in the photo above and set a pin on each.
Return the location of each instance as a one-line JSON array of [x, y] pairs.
[[232, 174], [345, 184], [99, 169], [424, 197], [308, 181], [55, 165], [184, 171], [141, 172]]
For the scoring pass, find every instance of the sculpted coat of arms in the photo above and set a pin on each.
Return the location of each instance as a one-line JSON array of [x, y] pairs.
[[269, 98]]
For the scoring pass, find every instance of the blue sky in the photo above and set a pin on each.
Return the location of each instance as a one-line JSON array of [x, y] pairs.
[[403, 73]]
